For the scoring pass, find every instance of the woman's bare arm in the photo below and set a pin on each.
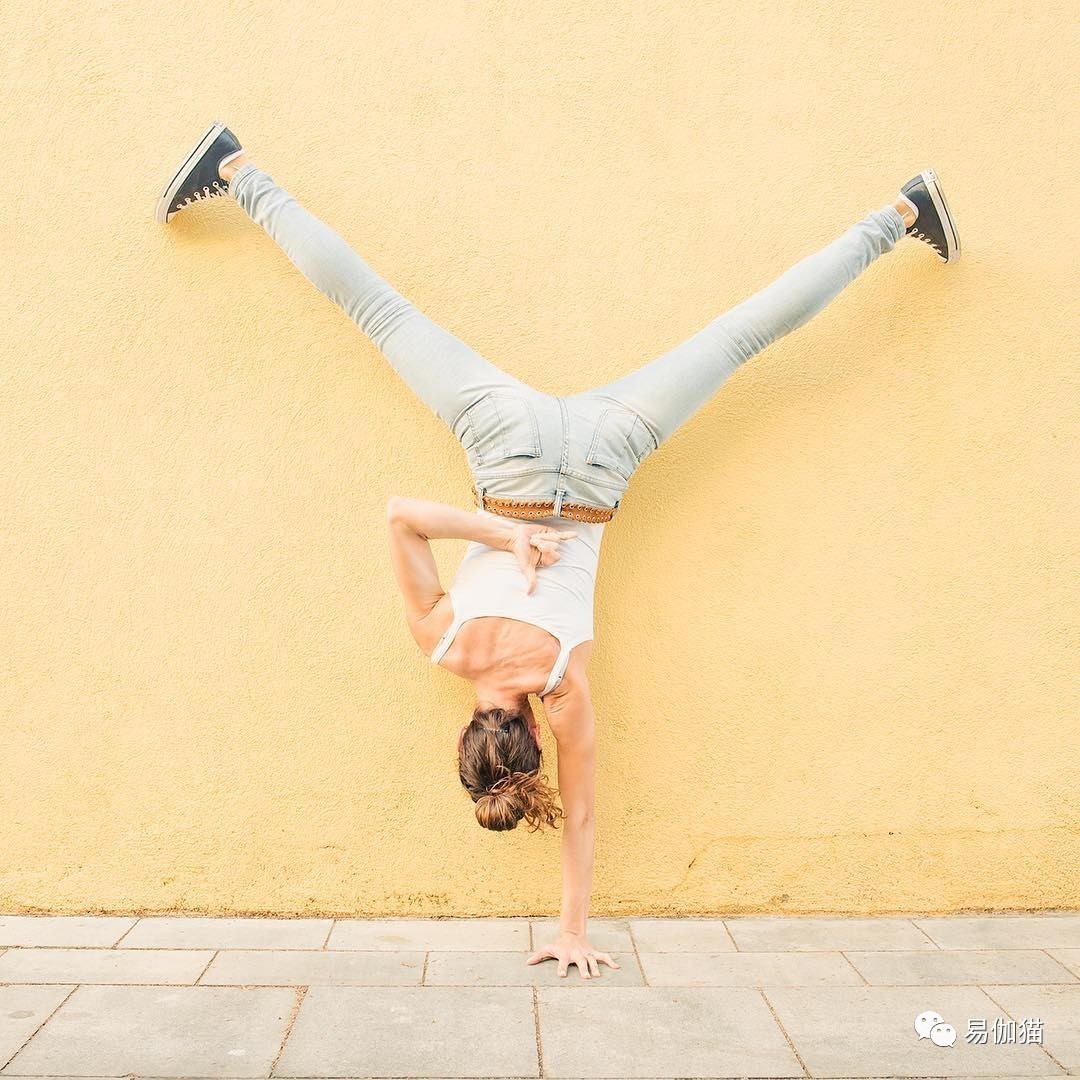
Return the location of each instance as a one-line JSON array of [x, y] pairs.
[[573, 723], [413, 523]]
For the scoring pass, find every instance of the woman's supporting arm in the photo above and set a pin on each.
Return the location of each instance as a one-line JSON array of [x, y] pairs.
[[573, 723], [574, 726]]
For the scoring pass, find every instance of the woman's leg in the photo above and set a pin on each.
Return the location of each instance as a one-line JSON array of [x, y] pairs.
[[442, 371], [670, 389]]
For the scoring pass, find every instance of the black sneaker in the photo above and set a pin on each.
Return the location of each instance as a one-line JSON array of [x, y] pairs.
[[198, 177], [934, 224]]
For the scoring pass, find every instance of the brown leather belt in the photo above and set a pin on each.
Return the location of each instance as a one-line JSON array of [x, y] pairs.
[[540, 508]]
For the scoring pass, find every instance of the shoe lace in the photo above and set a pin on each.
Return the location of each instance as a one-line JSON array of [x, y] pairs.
[[926, 240], [219, 187]]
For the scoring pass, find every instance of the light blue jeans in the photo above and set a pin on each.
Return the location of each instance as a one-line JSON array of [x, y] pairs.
[[525, 444]]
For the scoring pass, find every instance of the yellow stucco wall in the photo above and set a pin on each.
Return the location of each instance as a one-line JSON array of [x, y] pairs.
[[837, 660]]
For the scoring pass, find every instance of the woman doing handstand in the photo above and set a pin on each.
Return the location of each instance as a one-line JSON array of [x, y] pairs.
[[548, 473]]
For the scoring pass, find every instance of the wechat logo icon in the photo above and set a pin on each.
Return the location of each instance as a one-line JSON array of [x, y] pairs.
[[932, 1026]]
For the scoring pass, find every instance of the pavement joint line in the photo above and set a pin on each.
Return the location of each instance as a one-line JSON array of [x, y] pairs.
[[326, 940], [301, 993], [731, 936], [214, 956], [985, 989], [783, 1031], [134, 923], [851, 964], [925, 933], [536, 1032], [637, 954], [67, 997], [1061, 964]]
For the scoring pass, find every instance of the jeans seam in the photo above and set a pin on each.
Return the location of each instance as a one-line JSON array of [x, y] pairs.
[[506, 475]]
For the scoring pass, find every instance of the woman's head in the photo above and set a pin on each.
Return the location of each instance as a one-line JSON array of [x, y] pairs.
[[499, 766]]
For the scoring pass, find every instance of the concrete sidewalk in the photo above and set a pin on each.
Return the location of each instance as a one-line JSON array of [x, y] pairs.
[[778, 997]]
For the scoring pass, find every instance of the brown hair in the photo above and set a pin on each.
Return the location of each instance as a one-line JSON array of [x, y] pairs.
[[499, 766]]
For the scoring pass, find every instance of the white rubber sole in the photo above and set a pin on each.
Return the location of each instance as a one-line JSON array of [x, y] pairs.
[[937, 197], [161, 209]]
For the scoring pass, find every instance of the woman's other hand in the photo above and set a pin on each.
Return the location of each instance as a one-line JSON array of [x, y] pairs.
[[536, 545], [569, 949]]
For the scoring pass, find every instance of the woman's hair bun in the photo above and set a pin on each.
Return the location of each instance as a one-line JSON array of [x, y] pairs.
[[499, 765], [499, 810]]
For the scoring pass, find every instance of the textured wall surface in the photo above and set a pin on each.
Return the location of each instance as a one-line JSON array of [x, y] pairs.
[[836, 663]]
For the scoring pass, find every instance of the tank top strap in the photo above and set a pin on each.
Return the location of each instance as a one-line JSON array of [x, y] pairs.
[[447, 639], [445, 642], [559, 669]]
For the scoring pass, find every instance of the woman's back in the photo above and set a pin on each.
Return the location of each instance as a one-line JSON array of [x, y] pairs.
[[489, 582]]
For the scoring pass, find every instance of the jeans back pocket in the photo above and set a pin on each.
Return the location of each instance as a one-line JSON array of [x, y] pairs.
[[501, 425], [620, 442]]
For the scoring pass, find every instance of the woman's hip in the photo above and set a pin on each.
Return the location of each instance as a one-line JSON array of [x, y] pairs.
[[533, 452]]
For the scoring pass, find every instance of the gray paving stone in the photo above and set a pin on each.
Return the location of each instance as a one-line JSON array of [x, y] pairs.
[[432, 1031], [266, 967], [1059, 1009], [467, 935], [681, 935], [959, 967], [1004, 931], [510, 969], [802, 934], [1069, 957], [23, 1009], [133, 966], [869, 1031], [607, 935], [160, 1031], [661, 1033], [797, 1076], [748, 969], [168, 932], [63, 930]]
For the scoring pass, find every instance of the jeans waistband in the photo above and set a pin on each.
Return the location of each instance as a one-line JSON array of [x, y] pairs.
[[532, 509]]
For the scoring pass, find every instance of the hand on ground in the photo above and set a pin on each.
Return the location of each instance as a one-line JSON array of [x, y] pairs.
[[573, 949]]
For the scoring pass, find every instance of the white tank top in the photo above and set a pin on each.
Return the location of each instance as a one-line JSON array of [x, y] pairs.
[[490, 582]]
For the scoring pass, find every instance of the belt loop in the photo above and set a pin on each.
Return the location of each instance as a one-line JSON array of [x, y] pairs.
[[558, 502]]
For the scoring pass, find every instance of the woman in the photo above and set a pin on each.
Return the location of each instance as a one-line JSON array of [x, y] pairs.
[[548, 473]]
